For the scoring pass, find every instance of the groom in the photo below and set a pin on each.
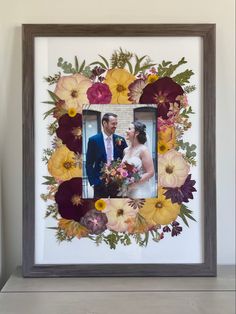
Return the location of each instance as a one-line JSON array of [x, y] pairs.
[[103, 148]]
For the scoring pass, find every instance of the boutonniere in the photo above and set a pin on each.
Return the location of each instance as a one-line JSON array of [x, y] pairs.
[[119, 141]]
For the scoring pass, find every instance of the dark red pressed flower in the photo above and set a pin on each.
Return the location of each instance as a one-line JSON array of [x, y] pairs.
[[94, 221], [182, 194], [162, 92], [69, 200], [70, 132]]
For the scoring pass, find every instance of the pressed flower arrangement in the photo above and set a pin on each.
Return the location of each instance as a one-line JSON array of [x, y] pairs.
[[123, 79]]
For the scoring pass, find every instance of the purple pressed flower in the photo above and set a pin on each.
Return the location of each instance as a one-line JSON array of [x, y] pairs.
[[175, 223], [99, 93], [94, 221], [69, 200], [182, 194], [136, 90], [176, 231], [97, 71], [70, 132], [166, 229], [162, 92]]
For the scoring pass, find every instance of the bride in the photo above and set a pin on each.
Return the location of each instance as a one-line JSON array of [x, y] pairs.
[[138, 155]]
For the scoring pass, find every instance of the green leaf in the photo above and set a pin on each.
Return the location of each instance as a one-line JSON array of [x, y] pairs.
[[105, 61], [54, 97], [138, 62], [167, 68], [183, 77], [82, 66], [76, 64], [100, 63], [185, 212], [48, 113], [48, 102], [146, 67], [130, 66], [66, 67], [49, 180]]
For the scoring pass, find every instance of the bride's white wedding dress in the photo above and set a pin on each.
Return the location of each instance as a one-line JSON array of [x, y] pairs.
[[140, 190]]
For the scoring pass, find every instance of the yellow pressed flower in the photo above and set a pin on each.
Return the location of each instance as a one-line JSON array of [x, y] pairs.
[[72, 112], [100, 205], [63, 164], [152, 78], [162, 147], [160, 210], [118, 81], [72, 228], [168, 136]]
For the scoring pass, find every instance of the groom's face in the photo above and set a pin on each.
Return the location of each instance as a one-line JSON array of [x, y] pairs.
[[110, 126]]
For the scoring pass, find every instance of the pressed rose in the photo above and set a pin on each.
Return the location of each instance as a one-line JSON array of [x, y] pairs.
[[159, 210], [118, 212], [172, 169], [136, 90], [63, 164], [69, 200], [118, 81], [70, 132], [162, 92], [99, 93], [73, 90], [94, 221]]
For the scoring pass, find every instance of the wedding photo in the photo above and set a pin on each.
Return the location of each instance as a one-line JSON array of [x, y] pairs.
[[119, 151]]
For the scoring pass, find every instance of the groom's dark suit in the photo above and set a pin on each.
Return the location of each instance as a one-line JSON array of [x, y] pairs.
[[96, 156]]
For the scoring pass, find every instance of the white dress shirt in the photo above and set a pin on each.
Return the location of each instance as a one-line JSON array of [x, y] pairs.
[[105, 136]]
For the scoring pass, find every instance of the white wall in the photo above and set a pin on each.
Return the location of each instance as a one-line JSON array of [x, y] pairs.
[[13, 13]]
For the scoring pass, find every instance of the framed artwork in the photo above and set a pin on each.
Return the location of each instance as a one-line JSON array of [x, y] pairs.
[[119, 150]]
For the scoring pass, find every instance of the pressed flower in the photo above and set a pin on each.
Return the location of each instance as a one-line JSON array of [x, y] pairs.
[[69, 200], [118, 81], [162, 147], [183, 193], [172, 169], [162, 124], [70, 132], [63, 164], [159, 210], [136, 203], [99, 93], [72, 112], [73, 90], [166, 136], [100, 205], [136, 90], [137, 224], [152, 78], [118, 212], [72, 228], [176, 229], [94, 221], [59, 109], [162, 92]]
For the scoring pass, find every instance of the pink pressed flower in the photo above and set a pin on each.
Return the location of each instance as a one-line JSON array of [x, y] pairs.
[[99, 93], [163, 124], [136, 90]]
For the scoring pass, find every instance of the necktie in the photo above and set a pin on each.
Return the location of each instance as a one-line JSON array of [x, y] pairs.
[[109, 150]]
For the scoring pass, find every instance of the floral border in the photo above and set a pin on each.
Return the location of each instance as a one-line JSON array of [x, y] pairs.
[[124, 79]]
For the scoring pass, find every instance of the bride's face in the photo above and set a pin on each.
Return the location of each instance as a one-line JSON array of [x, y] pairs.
[[130, 133]]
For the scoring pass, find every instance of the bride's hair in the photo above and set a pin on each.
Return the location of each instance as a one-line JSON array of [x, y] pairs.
[[141, 128]]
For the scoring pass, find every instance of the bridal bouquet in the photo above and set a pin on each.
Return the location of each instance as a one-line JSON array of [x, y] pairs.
[[119, 175]]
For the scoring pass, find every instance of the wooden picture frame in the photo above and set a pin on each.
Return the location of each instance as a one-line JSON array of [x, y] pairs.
[[207, 34]]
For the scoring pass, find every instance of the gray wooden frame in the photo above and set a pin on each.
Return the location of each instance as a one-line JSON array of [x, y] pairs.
[[207, 33]]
